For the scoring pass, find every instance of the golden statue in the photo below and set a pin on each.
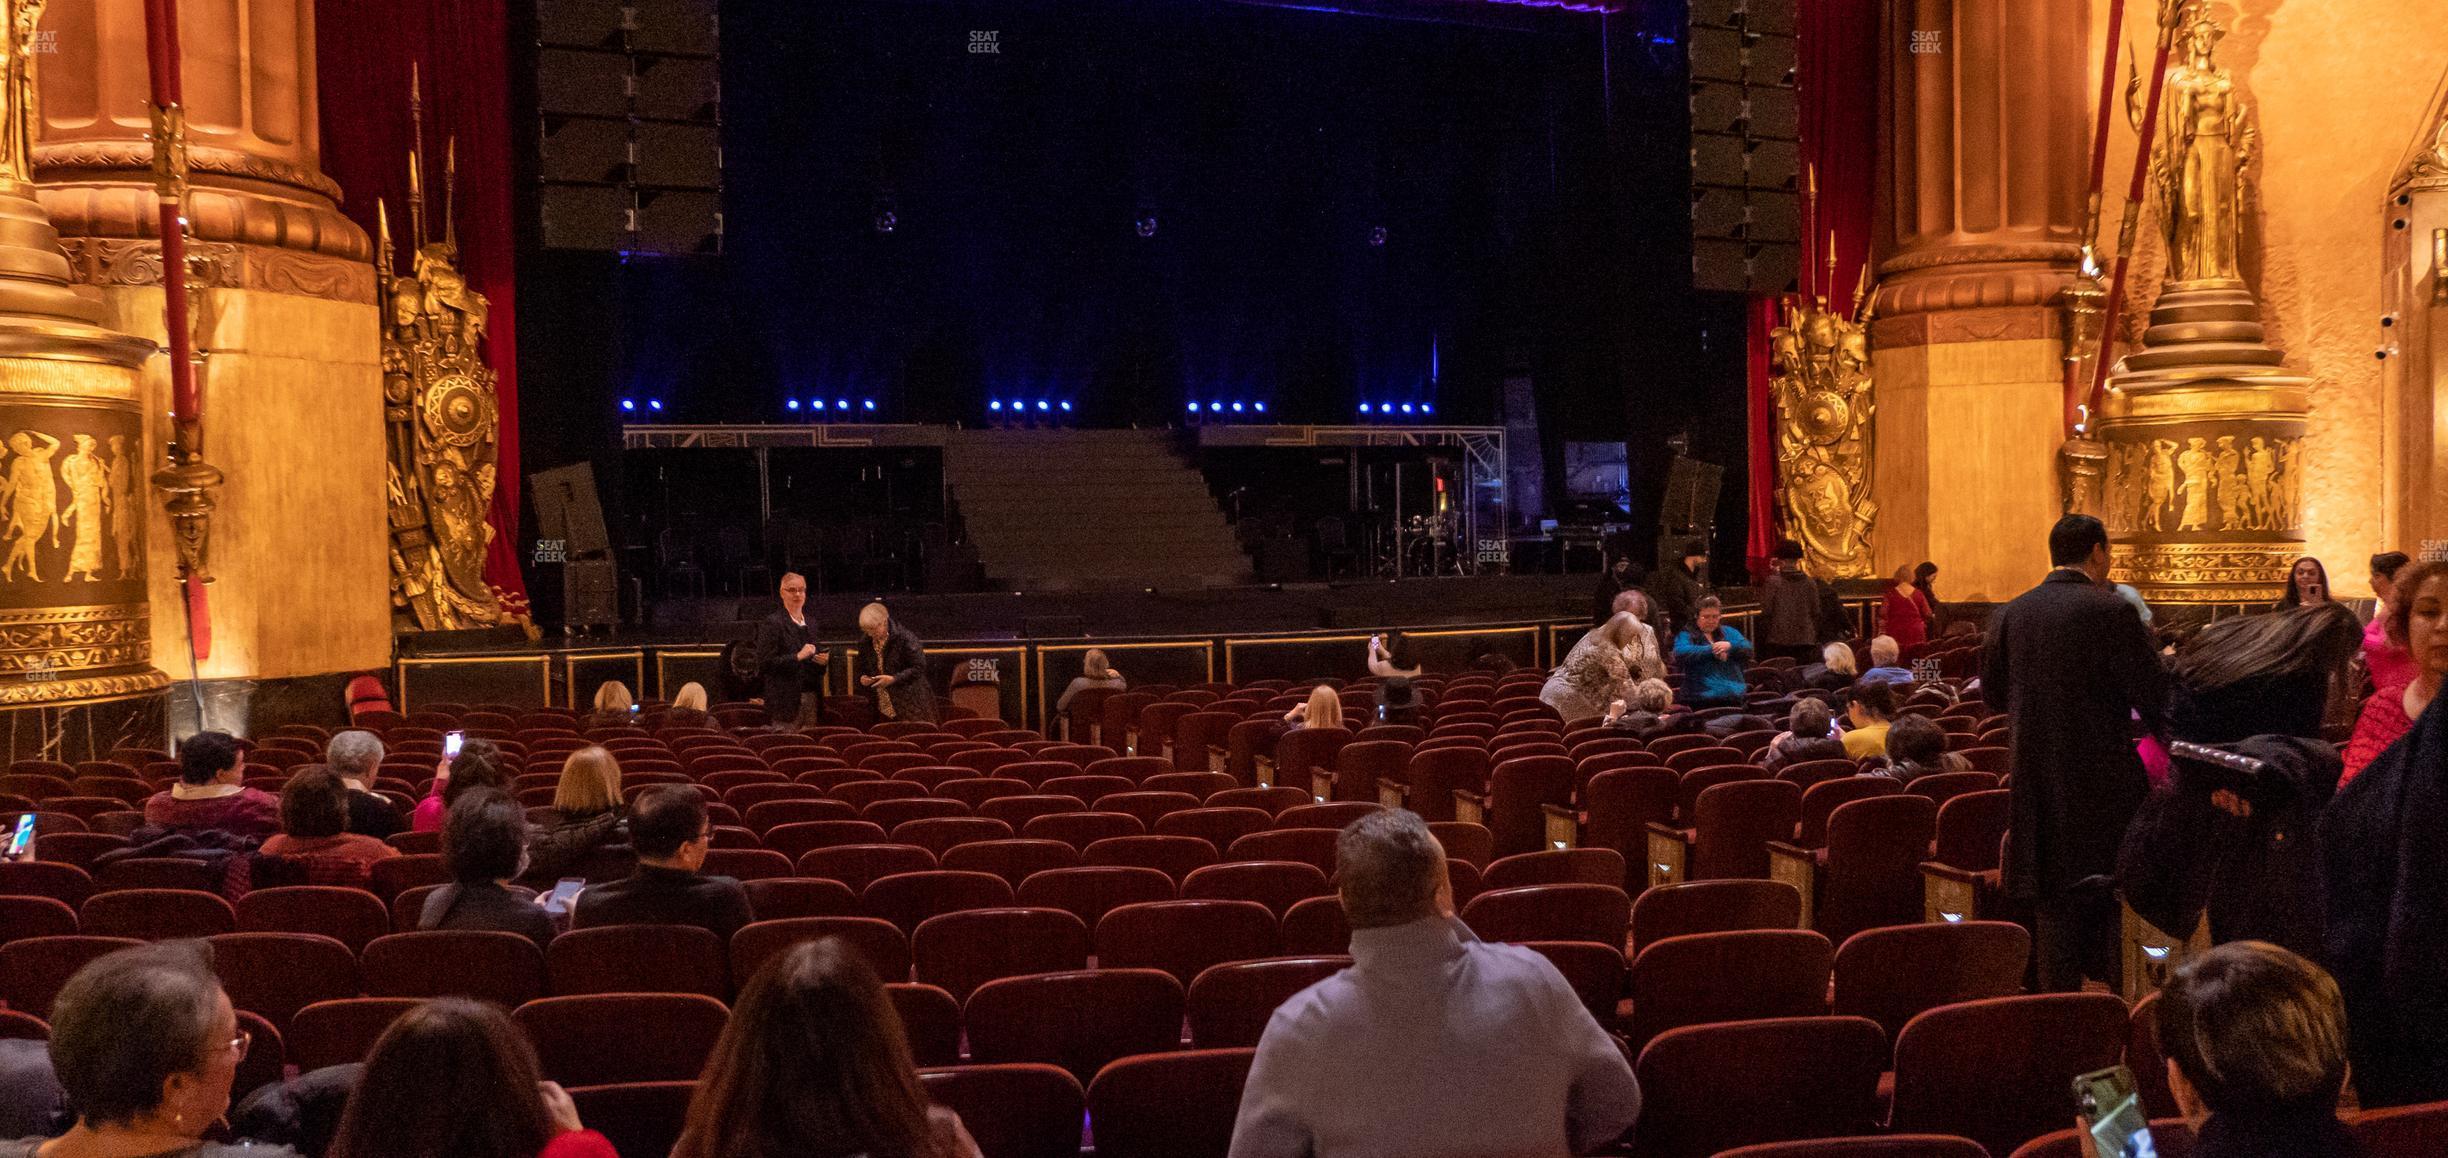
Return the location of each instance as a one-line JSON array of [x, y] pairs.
[[17, 90], [442, 427], [2205, 148], [1822, 392]]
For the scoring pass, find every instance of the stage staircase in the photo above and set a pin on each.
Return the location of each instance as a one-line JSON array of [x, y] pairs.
[[1086, 509]]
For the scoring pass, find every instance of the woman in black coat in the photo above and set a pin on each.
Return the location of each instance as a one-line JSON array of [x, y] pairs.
[[895, 666]]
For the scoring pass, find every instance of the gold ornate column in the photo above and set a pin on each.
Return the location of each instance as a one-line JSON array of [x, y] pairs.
[[73, 623], [1983, 168], [288, 325], [2204, 431]]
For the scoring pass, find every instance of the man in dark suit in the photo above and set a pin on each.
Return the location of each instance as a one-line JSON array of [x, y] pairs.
[[791, 657], [1675, 590], [2070, 661], [671, 832]]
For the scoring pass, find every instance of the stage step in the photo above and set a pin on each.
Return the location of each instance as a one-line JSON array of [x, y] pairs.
[[1074, 509]]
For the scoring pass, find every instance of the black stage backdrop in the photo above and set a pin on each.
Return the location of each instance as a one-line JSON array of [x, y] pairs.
[[1528, 172]]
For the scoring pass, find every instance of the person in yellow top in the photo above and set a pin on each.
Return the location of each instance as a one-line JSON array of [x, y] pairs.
[[1873, 708]]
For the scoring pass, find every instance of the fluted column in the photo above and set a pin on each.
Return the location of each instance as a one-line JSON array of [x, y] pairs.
[[1983, 170], [287, 320]]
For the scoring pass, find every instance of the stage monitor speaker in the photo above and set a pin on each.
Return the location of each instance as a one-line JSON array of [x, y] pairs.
[[1690, 506], [567, 510], [629, 102], [589, 593]]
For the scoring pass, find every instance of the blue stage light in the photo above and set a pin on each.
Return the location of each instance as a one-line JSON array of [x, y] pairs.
[[628, 403], [841, 404], [1215, 408], [868, 404], [655, 404], [1364, 408], [818, 404], [1406, 408], [1425, 408], [1194, 408], [1066, 406], [996, 404], [1042, 404], [793, 404], [1236, 408], [1260, 405]]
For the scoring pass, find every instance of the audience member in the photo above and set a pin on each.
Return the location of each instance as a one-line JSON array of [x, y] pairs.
[[1904, 613], [688, 708], [1835, 671], [1789, 608], [814, 1063], [147, 1046], [791, 659], [614, 707], [1597, 671], [896, 665], [355, 756], [1916, 747], [211, 793], [2385, 659], [2385, 893], [1398, 701], [2256, 1044], [1338, 1074], [1712, 654], [32, 1104], [2256, 675], [457, 1077], [314, 832], [1925, 581], [2073, 665], [1390, 658], [671, 833], [1095, 673], [484, 848], [2241, 844], [1647, 661], [1645, 711], [1886, 661], [2414, 624], [2307, 582], [1872, 711], [586, 815], [1323, 709], [478, 765], [1676, 589], [1810, 734], [302, 1113]]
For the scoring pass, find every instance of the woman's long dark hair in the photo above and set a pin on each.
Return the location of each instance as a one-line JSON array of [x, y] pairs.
[[812, 1065], [2316, 638], [2294, 595], [478, 765], [451, 1076]]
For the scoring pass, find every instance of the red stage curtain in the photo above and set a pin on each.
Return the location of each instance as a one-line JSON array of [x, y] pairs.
[[365, 49], [1759, 317], [1836, 94]]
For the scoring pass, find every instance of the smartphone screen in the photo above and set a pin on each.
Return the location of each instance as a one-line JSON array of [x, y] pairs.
[[2119, 1126], [451, 742], [564, 894], [21, 842]]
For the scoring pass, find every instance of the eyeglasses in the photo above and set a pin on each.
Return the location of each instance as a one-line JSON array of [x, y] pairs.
[[239, 1045]]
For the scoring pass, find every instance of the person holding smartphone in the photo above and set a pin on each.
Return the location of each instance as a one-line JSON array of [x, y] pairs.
[[484, 848], [792, 658], [2255, 1039]]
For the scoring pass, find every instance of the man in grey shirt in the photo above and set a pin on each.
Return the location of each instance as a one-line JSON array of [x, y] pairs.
[[1433, 1043]]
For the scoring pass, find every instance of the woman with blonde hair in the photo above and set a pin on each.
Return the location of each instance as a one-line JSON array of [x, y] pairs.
[[1648, 662], [586, 815], [614, 706], [1095, 673], [1598, 670], [688, 708], [1836, 669], [1323, 710]]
